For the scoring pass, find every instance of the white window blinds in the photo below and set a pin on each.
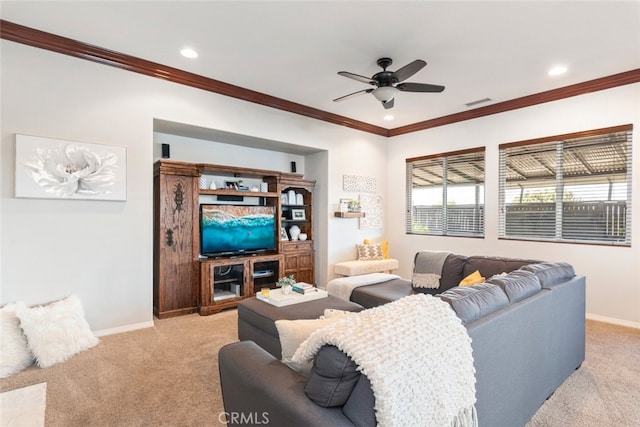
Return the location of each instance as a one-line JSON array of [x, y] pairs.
[[445, 194], [568, 188]]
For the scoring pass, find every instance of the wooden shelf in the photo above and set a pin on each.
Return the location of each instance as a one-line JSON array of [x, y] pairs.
[[349, 214], [246, 193]]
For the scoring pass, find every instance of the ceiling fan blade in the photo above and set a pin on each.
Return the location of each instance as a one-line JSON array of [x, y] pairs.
[[409, 70], [342, 98], [419, 87], [388, 105], [358, 77]]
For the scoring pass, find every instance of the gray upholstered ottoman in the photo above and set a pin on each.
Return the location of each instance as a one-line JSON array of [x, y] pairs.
[[256, 319]]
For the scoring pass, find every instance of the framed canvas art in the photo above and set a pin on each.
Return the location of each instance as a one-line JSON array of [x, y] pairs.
[[56, 169]]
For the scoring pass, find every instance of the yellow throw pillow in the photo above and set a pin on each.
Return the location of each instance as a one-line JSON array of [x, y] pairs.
[[472, 279], [384, 245]]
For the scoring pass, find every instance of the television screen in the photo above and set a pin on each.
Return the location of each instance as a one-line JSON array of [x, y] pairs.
[[229, 229]]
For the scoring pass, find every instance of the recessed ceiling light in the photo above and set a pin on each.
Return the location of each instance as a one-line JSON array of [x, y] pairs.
[[558, 70], [187, 52], [389, 117]]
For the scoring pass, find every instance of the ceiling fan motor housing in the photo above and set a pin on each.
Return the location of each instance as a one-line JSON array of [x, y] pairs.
[[388, 83]]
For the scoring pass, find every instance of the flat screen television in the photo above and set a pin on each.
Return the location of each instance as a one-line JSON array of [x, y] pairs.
[[236, 229]]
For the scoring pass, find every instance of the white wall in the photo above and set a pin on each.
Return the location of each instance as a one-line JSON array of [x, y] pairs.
[[102, 251], [613, 273]]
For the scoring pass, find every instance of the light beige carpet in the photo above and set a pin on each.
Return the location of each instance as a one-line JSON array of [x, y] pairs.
[[605, 391], [161, 376], [168, 376]]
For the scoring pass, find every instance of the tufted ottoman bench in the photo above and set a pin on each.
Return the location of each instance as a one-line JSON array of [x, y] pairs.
[[256, 319], [356, 268]]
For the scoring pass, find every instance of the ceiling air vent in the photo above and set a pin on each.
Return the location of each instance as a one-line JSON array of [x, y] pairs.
[[479, 101]]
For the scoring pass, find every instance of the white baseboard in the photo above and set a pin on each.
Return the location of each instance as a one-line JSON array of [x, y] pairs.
[[126, 328], [613, 321]]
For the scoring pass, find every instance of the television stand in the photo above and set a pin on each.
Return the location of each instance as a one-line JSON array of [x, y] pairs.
[[225, 282]]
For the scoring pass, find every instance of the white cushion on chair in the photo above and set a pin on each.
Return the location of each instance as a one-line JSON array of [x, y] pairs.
[[356, 268]]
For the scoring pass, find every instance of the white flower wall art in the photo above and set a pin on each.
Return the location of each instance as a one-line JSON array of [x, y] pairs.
[[56, 169]]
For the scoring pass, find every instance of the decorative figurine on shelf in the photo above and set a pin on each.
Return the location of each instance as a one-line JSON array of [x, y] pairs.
[[286, 283], [294, 232]]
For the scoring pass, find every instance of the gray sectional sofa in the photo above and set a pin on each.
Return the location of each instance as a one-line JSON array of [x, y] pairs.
[[527, 329]]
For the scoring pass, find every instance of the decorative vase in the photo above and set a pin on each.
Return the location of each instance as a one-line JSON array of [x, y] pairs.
[[302, 236], [203, 183], [299, 199], [292, 197], [286, 289], [294, 232]]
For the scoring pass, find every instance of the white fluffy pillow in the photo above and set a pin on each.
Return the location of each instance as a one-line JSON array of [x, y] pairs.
[[56, 331], [330, 313], [293, 333], [14, 352]]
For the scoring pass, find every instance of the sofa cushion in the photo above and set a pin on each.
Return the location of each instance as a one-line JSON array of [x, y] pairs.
[[361, 403], [490, 266], [518, 285], [452, 271], [293, 332], [472, 302], [551, 273], [332, 378]]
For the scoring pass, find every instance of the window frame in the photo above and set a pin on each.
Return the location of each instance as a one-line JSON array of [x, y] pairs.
[[567, 144], [477, 219]]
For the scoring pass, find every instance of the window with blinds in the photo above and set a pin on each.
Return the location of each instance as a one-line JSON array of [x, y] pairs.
[[445, 194], [568, 188]]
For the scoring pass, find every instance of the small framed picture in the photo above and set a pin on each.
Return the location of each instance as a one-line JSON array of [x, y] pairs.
[[298, 214], [231, 185], [283, 234]]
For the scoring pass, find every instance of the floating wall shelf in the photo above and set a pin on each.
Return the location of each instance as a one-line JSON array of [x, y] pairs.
[[349, 214]]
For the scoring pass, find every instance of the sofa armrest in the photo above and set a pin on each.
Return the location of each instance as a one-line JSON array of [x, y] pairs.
[[258, 388]]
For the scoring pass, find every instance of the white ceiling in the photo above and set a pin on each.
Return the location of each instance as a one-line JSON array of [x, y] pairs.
[[293, 50]]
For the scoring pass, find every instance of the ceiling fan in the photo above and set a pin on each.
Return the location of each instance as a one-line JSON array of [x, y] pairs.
[[388, 83]]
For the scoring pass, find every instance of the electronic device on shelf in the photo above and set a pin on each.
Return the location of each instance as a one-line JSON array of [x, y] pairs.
[[227, 230], [263, 273]]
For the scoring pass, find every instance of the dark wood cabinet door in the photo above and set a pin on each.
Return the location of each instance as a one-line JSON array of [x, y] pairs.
[[175, 290]]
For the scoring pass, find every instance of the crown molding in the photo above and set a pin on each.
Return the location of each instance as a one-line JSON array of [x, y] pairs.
[[595, 85], [52, 42]]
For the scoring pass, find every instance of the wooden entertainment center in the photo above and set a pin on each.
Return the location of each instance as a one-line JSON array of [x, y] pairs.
[[186, 282]]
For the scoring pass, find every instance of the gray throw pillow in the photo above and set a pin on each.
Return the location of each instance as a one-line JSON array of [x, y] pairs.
[[473, 302], [332, 377]]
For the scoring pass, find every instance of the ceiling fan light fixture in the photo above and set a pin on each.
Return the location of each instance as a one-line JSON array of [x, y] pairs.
[[385, 93]]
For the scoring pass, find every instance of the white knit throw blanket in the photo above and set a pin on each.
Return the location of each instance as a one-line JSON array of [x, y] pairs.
[[417, 356]]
